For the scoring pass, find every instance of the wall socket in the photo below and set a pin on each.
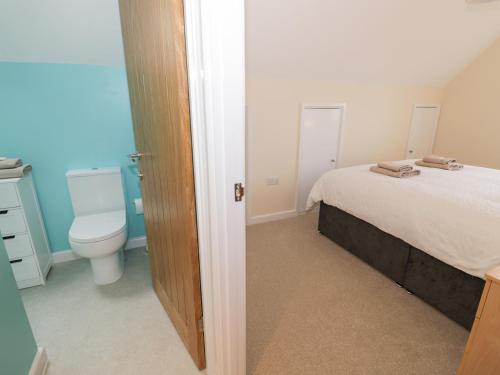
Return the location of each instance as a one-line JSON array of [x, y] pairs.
[[273, 180]]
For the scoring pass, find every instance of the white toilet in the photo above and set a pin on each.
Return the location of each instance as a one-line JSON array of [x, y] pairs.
[[99, 229]]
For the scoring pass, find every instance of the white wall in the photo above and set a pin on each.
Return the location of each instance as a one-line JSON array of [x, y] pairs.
[[376, 127], [380, 58], [424, 42], [470, 115]]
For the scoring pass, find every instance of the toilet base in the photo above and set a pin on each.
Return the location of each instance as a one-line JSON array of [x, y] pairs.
[[107, 269]]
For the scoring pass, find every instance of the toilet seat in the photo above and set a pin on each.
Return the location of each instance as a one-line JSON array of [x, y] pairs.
[[97, 227]]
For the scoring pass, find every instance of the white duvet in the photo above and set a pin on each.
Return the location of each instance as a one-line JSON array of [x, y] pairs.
[[453, 216]]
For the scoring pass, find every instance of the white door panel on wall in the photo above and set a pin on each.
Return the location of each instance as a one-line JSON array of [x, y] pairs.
[[319, 147], [422, 131]]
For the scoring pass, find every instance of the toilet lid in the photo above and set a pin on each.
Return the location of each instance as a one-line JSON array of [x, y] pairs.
[[97, 227]]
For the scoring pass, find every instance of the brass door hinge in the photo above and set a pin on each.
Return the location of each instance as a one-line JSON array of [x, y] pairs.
[[239, 192]]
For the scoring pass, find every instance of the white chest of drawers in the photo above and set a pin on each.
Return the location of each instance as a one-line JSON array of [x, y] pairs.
[[23, 231]]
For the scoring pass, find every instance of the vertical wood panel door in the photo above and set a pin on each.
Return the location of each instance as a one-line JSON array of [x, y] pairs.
[[155, 55]]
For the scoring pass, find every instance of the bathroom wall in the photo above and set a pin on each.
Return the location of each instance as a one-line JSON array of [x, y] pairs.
[[17, 344], [66, 116]]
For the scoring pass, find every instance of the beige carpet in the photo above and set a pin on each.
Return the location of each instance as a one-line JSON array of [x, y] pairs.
[[314, 308], [105, 330]]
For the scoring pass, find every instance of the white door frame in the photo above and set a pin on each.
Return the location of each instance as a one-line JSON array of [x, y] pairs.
[[305, 106], [438, 107], [215, 42]]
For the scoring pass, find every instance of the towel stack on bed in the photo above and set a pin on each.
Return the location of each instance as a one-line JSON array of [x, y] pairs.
[[399, 169], [13, 168], [435, 161]]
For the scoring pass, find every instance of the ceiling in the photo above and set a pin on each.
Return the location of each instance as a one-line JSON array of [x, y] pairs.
[[61, 31], [424, 42], [384, 41]]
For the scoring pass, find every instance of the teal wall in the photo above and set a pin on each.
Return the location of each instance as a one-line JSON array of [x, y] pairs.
[[17, 344], [59, 117]]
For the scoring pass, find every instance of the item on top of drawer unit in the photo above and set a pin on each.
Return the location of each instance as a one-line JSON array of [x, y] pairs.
[[15, 172], [6, 163]]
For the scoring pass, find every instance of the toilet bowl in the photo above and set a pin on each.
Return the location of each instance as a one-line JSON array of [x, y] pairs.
[[99, 229], [100, 237]]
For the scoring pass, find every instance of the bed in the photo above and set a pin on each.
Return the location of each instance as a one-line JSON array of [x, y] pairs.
[[436, 234]]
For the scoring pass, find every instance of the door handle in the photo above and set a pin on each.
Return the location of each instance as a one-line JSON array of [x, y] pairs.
[[411, 151], [333, 160], [135, 156]]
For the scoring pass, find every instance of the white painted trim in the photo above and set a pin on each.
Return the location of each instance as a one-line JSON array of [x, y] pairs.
[[436, 125], [40, 363], [323, 106], [192, 19], [338, 157], [64, 256], [215, 38], [248, 168], [259, 219], [135, 242], [69, 255]]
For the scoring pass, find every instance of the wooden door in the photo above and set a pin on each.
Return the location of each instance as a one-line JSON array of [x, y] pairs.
[[155, 54]]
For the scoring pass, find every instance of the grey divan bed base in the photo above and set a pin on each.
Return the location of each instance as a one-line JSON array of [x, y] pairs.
[[451, 291]]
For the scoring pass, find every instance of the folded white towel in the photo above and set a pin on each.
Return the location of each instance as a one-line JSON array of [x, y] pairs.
[[15, 172], [436, 159], [10, 163], [448, 166], [401, 174], [396, 166]]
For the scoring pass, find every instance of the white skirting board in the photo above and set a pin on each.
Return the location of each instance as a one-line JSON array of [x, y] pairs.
[[64, 256], [68, 255], [135, 242], [40, 363], [271, 217]]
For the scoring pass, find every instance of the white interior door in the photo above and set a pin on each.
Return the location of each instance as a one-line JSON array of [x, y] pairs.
[[422, 131], [319, 147]]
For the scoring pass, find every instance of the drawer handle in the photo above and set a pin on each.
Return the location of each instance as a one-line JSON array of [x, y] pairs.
[[4, 212], [11, 237], [16, 261]]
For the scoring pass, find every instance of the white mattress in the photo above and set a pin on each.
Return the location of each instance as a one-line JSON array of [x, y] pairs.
[[453, 216]]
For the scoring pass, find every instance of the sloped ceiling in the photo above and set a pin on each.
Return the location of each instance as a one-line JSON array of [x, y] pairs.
[[380, 41], [384, 41], [61, 31]]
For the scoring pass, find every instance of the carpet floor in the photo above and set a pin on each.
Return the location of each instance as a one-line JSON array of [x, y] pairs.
[[314, 308]]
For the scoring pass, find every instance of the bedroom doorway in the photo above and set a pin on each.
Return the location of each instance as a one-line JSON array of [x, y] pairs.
[[320, 134]]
